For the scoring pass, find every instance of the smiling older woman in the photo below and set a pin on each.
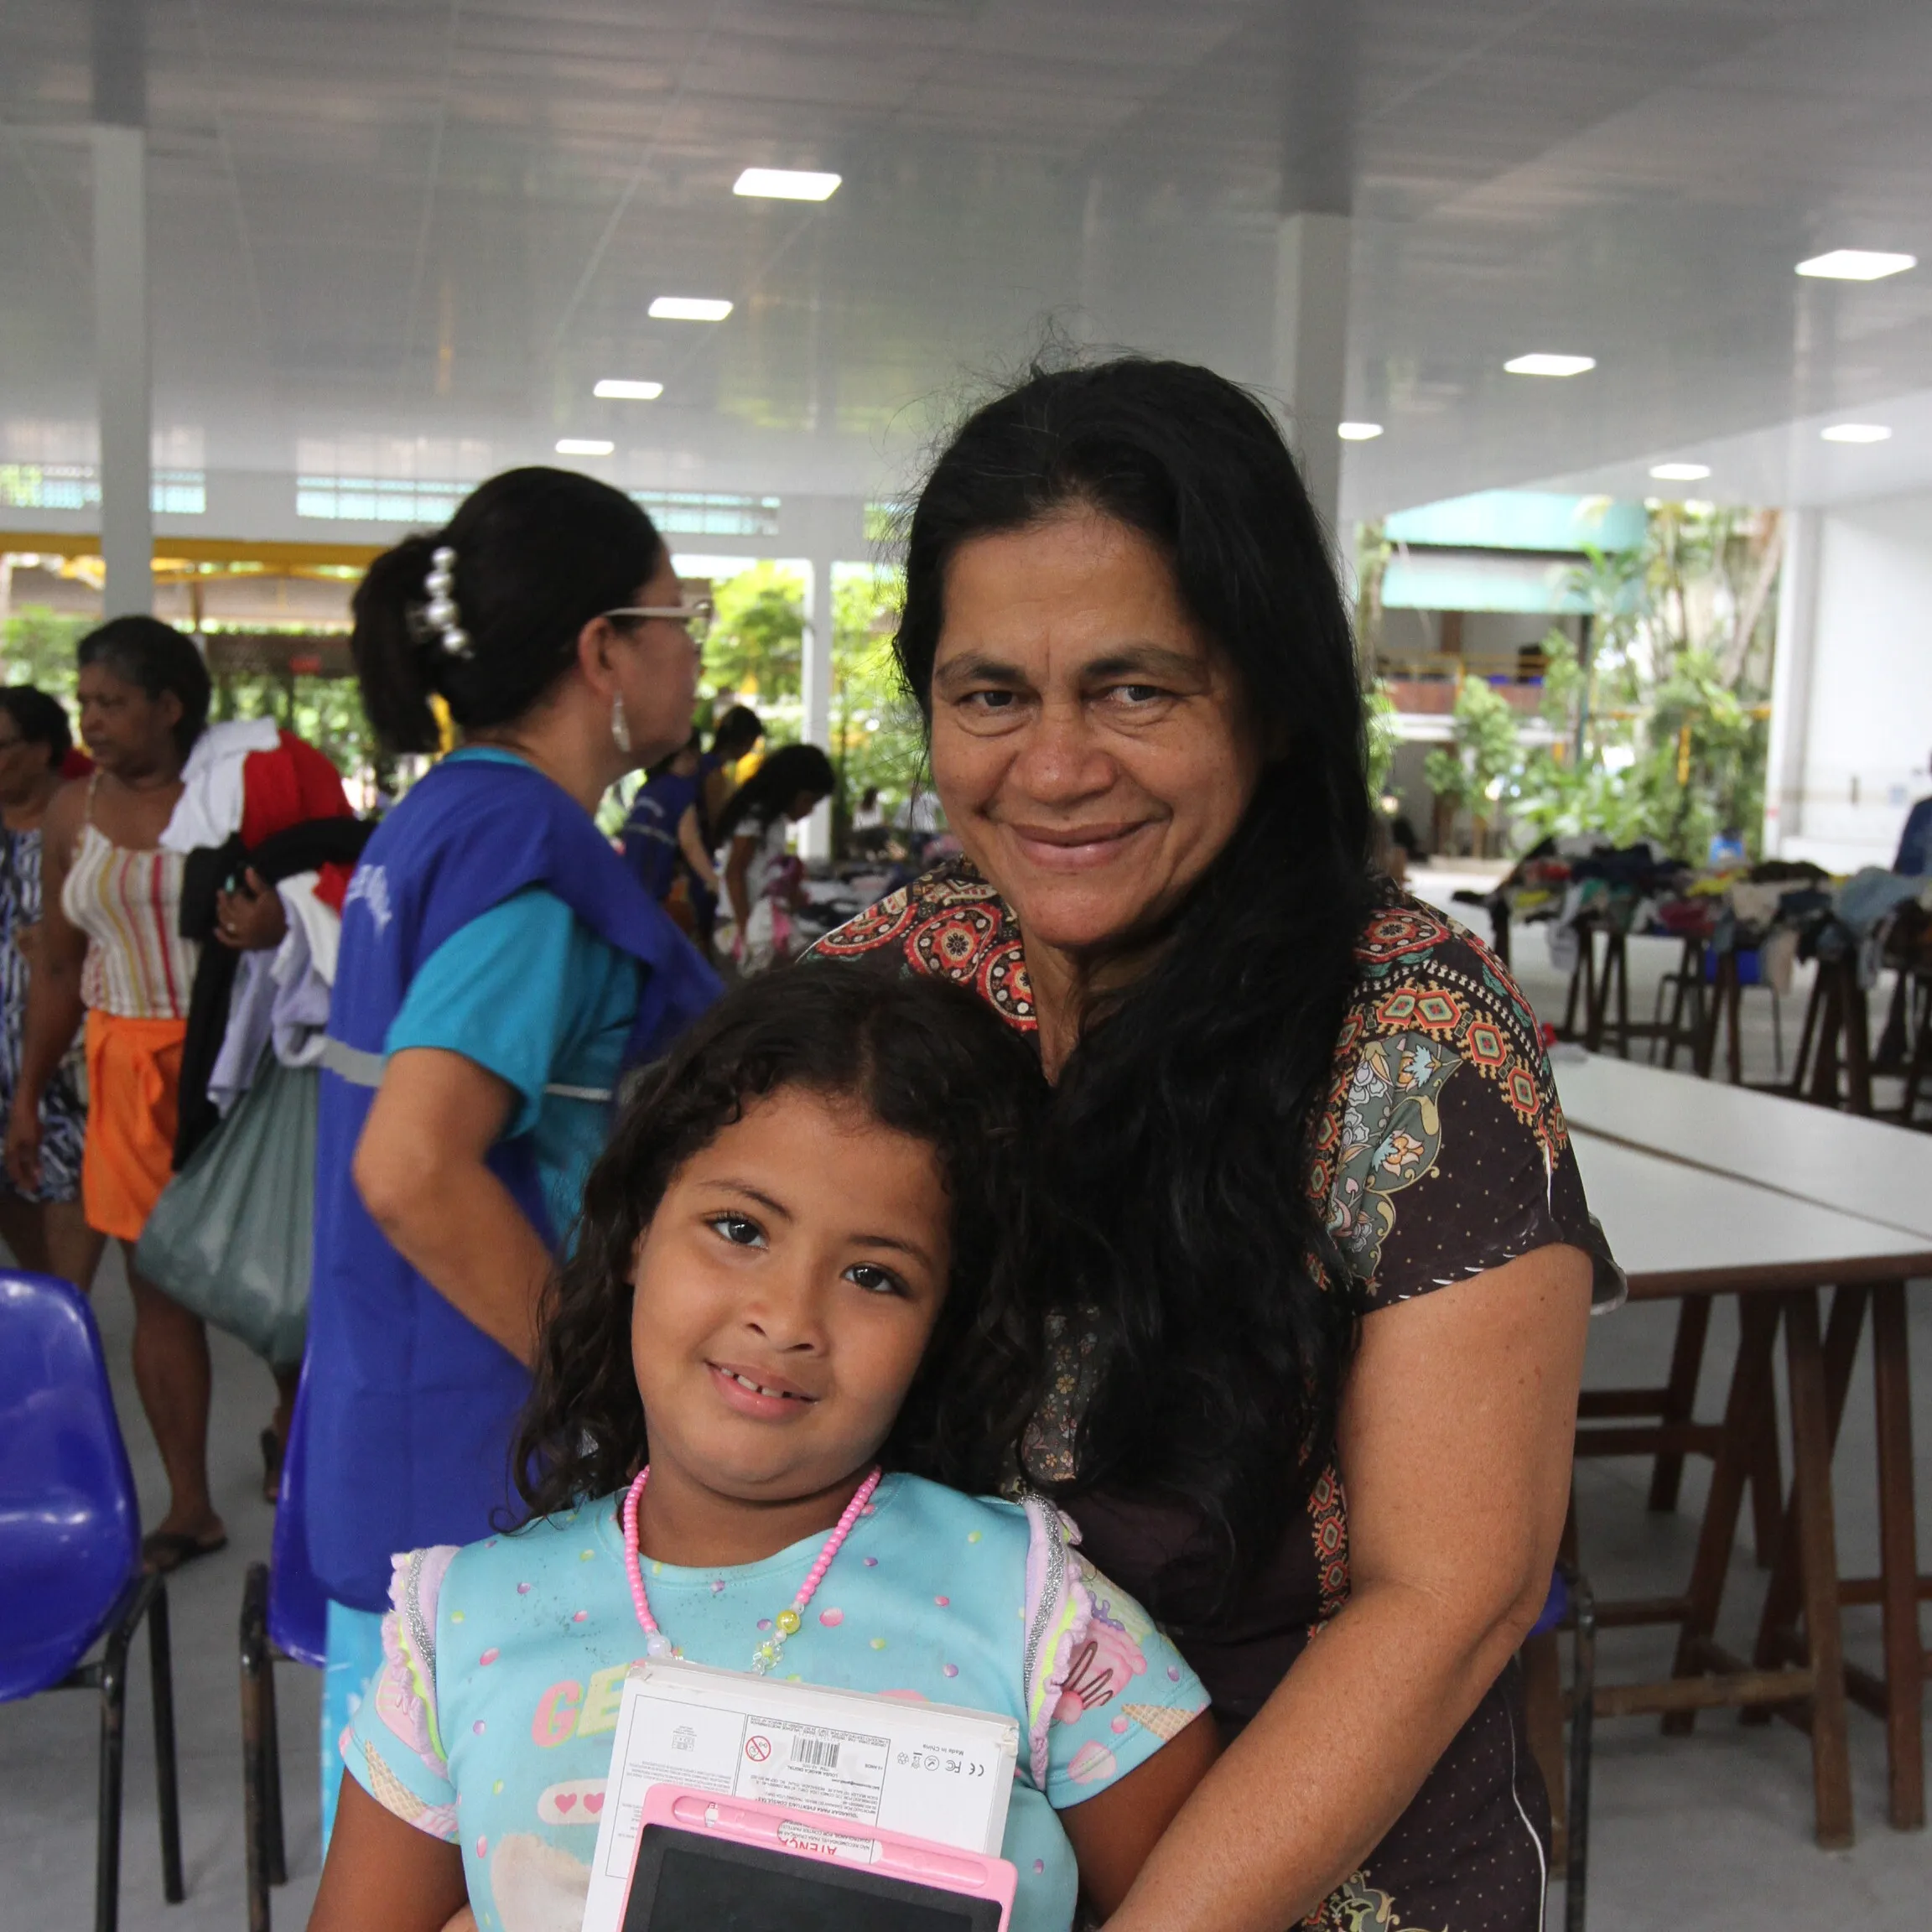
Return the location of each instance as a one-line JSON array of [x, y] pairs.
[[1322, 1261]]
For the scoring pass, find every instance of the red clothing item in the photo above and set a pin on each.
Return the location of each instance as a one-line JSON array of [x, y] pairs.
[[287, 787]]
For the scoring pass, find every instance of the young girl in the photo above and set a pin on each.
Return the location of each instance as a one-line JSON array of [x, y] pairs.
[[791, 1274]]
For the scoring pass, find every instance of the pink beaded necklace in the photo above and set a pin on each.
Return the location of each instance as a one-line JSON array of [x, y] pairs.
[[786, 1624]]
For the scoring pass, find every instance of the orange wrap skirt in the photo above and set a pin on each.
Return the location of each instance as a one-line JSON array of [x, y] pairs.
[[133, 1099]]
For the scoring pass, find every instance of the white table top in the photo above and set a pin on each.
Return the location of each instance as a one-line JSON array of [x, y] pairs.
[[1674, 1227], [1867, 1168]]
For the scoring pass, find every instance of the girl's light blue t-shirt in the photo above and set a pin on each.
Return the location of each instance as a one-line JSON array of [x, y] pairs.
[[501, 1740]]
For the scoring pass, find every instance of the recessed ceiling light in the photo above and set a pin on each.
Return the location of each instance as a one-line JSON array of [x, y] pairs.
[[688, 308], [1858, 265], [1357, 432], [1680, 472], [1545, 365], [621, 389], [786, 184], [584, 446], [1855, 432]]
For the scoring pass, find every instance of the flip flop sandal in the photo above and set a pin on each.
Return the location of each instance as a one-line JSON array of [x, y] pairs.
[[163, 1551]]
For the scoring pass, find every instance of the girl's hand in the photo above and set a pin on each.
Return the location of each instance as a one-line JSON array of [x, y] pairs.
[[26, 943], [253, 920]]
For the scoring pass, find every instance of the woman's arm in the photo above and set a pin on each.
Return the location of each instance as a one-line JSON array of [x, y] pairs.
[[1456, 1435], [735, 868], [383, 1875], [691, 844], [53, 1008], [419, 1169], [1113, 1832]]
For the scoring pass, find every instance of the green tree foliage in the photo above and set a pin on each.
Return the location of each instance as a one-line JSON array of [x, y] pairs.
[[1482, 759], [877, 736], [754, 654], [38, 647], [757, 647], [1661, 720]]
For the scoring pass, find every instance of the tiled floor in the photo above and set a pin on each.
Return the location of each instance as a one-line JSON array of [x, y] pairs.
[[1710, 1834]]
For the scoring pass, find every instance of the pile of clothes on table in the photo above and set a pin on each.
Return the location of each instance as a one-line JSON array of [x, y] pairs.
[[1780, 910]]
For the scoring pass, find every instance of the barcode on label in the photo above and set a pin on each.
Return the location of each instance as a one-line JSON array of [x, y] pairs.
[[814, 1754]]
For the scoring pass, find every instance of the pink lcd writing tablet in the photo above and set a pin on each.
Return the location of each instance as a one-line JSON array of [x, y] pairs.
[[711, 1864]]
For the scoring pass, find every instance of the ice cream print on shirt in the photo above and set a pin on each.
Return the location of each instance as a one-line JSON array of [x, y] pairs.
[[492, 1723]]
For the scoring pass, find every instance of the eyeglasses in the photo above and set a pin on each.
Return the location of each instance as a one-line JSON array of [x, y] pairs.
[[696, 618]]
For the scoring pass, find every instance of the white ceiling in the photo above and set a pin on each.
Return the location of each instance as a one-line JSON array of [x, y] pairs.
[[406, 237]]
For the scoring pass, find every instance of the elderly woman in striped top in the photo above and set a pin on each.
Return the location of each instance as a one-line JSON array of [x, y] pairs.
[[114, 857]]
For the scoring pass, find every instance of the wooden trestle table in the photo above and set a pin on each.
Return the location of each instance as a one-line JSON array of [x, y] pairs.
[[1706, 1190]]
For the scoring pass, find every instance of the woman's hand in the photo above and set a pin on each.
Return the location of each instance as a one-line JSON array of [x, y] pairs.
[[24, 1142], [1456, 1432], [253, 920]]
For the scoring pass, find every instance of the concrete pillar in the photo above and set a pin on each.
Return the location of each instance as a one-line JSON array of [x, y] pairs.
[[1787, 751], [815, 687], [121, 354], [1311, 347]]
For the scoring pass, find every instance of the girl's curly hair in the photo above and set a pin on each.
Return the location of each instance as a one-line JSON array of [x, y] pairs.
[[922, 1057]]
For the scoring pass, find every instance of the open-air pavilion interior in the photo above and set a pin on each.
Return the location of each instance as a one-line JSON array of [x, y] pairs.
[[279, 282]]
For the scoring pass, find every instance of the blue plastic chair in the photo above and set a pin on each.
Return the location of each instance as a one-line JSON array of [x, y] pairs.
[[284, 1616], [70, 1553]]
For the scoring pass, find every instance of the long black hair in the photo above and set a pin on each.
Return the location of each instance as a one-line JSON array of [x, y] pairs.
[[1180, 1227], [538, 553], [155, 658], [772, 787], [920, 1057]]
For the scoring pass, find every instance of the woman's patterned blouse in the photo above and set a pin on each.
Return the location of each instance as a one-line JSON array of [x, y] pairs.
[[1441, 1152]]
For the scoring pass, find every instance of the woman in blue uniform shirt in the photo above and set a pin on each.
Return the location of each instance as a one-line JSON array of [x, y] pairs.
[[499, 967]]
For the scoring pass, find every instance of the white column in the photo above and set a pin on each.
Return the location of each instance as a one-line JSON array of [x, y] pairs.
[[1787, 751], [120, 354], [815, 687], [1311, 347]]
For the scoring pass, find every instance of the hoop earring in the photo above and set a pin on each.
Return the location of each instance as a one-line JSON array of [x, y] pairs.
[[620, 730]]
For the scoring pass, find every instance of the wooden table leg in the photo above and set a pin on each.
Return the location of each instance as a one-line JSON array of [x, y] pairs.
[[1596, 993], [1744, 1408], [1857, 1027], [1818, 1556], [1680, 1394], [1898, 1558], [1830, 1019], [1781, 1599], [1621, 950]]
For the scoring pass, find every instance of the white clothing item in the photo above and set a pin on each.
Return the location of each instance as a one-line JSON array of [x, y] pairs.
[[280, 998], [250, 1024], [209, 810], [769, 852], [304, 973], [322, 923]]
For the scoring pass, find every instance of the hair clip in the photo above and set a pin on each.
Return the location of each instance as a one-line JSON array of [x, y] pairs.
[[441, 610]]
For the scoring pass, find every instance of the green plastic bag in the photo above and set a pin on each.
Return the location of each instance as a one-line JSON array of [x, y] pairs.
[[229, 1237]]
